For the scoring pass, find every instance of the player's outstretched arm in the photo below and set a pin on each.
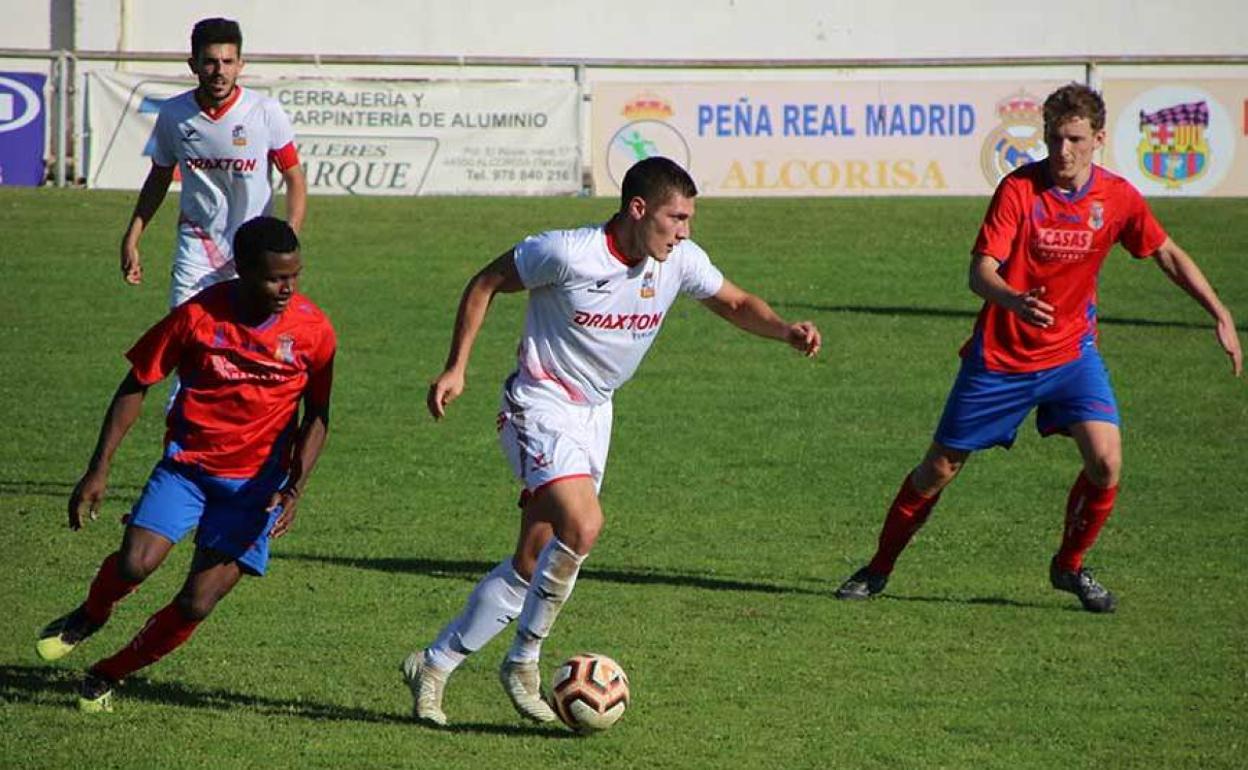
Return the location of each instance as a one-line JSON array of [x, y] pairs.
[[124, 409], [1182, 270], [313, 431], [296, 183], [753, 314], [1027, 305], [500, 276], [150, 197]]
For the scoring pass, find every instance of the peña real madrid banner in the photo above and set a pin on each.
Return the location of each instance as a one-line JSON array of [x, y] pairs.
[[1175, 137], [823, 138], [374, 137]]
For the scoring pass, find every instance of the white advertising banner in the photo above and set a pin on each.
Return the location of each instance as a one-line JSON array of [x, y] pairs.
[[372, 137], [823, 138]]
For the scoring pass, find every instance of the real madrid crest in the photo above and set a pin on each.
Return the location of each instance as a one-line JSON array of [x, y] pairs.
[[1018, 140]]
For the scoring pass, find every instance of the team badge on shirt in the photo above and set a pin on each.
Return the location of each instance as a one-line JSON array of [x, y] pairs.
[[647, 285], [240, 136], [1097, 219], [285, 351]]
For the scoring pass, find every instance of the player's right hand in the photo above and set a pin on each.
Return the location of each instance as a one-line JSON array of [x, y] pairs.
[[442, 391], [131, 265], [85, 500], [1033, 310]]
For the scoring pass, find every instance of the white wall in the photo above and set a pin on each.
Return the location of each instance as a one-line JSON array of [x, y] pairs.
[[781, 29]]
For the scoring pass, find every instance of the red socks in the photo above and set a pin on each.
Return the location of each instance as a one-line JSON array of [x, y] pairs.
[[108, 588], [907, 513], [164, 632], [1087, 508]]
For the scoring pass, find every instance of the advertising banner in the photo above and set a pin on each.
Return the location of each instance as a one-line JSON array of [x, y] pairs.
[[822, 138], [23, 128], [374, 137], [1174, 137]]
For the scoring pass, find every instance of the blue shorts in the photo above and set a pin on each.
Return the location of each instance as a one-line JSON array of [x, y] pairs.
[[229, 513], [985, 408]]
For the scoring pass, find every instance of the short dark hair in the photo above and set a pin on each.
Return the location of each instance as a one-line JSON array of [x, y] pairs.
[[213, 32], [1073, 101], [260, 235], [654, 180]]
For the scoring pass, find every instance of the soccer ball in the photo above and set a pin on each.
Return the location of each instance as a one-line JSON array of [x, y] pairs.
[[590, 692]]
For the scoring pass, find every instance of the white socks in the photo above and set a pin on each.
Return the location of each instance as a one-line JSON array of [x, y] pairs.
[[553, 578], [491, 607]]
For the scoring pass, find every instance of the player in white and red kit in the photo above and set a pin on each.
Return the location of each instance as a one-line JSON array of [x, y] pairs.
[[1047, 231], [597, 298], [223, 139], [237, 456]]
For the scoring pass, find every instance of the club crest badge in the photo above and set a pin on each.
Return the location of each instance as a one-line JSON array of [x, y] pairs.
[[1096, 220], [1173, 148], [647, 285], [1017, 141], [240, 136], [285, 351]]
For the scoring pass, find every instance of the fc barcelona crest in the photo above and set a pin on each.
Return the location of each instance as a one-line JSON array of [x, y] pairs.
[[1173, 148]]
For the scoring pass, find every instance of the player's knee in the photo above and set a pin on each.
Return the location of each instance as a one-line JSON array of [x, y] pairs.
[[1104, 470], [197, 605], [580, 535], [934, 473], [136, 564]]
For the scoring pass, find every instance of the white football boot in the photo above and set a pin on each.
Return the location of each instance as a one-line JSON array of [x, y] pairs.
[[427, 684], [522, 681]]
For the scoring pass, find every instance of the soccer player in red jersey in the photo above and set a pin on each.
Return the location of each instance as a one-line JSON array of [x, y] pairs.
[[1035, 263], [237, 457]]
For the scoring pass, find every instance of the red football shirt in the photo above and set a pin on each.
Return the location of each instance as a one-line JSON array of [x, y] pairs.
[[1046, 237], [240, 385]]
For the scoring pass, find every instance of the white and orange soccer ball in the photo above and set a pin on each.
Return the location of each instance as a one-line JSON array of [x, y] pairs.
[[590, 692]]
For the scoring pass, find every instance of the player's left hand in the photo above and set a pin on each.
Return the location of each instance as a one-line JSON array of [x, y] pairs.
[[288, 500], [804, 337], [1228, 338]]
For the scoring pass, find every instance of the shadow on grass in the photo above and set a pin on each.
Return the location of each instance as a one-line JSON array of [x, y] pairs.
[[990, 601], [937, 312], [474, 570], [61, 489], [45, 686]]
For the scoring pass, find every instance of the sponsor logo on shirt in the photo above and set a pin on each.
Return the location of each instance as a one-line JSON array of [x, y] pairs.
[[190, 134], [597, 288], [223, 164], [237, 369], [613, 321], [1052, 244]]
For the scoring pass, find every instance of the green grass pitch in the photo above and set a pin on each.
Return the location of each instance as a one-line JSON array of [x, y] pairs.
[[744, 484]]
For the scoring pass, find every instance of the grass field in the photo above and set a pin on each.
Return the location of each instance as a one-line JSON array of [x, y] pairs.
[[744, 484]]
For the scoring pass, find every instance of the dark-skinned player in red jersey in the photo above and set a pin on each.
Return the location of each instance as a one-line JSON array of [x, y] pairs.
[[236, 460], [1035, 264]]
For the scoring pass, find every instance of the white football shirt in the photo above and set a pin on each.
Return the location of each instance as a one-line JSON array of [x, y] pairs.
[[224, 161], [591, 318]]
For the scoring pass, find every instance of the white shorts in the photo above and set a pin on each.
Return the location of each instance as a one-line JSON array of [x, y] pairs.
[[192, 274], [546, 439]]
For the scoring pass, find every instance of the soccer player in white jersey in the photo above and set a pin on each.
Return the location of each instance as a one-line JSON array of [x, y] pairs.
[[598, 296], [223, 138]]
